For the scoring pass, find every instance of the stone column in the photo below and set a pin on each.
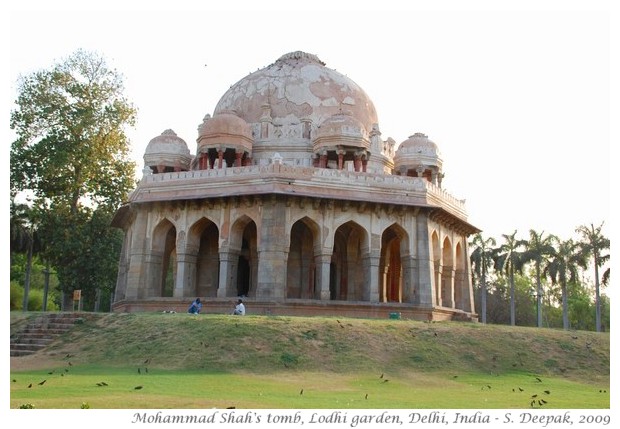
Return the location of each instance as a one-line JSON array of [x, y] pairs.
[[228, 273], [323, 263], [220, 158], [238, 156], [273, 250], [185, 284], [447, 282], [371, 266], [425, 265], [408, 282]]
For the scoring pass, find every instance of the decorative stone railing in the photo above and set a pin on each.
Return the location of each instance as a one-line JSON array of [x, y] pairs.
[[329, 178]]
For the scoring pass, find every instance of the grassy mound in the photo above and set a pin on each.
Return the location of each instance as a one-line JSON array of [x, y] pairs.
[[273, 357]]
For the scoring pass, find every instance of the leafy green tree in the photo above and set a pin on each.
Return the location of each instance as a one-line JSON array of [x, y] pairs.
[[538, 250], [563, 269], [72, 155], [508, 260], [481, 260], [593, 243]]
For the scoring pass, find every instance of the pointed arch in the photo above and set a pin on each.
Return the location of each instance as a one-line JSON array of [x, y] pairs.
[[301, 266], [460, 287], [349, 263], [244, 247], [436, 258], [202, 246], [447, 275], [162, 269], [394, 247]]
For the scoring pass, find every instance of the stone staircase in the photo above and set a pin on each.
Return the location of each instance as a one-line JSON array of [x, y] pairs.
[[41, 332]]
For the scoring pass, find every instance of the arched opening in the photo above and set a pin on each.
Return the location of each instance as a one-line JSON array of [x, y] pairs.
[[436, 258], [460, 285], [301, 267], [203, 242], [244, 245], [391, 269], [447, 277], [347, 276], [163, 265]]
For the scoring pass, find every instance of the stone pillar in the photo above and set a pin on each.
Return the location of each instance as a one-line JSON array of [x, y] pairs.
[[371, 266], [408, 282], [447, 290], [238, 156], [357, 162], [273, 250], [185, 284], [340, 159], [228, 273], [425, 265], [364, 165], [220, 158], [323, 264], [323, 161]]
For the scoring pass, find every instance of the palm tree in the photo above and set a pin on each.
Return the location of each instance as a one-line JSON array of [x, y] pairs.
[[481, 259], [24, 238], [508, 260], [563, 268], [538, 250], [592, 244]]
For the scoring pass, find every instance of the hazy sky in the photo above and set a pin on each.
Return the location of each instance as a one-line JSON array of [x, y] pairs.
[[516, 97]]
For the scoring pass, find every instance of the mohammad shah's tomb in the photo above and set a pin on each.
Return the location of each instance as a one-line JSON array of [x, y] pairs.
[[295, 202]]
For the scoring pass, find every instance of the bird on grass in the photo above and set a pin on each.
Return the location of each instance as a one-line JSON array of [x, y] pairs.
[[149, 359], [386, 380], [14, 381], [301, 392], [137, 388], [381, 376], [366, 397], [520, 390], [30, 385], [542, 401], [538, 379], [534, 396], [42, 383], [548, 392], [230, 408]]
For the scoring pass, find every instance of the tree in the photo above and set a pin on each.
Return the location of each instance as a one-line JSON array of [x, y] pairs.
[[508, 260], [563, 269], [592, 244], [24, 237], [481, 259], [71, 152], [538, 250]]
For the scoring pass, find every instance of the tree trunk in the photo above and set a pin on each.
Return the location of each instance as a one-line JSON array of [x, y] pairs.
[[512, 298], [538, 295], [564, 306], [483, 298], [597, 301], [27, 276]]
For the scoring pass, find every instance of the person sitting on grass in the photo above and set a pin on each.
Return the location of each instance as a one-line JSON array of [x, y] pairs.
[[195, 306], [239, 308]]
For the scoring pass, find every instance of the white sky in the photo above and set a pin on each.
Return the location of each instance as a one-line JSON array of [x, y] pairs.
[[516, 96]]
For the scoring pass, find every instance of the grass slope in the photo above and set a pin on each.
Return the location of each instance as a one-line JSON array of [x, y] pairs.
[[204, 361]]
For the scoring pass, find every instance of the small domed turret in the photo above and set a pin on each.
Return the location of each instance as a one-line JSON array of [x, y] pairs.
[[167, 152]]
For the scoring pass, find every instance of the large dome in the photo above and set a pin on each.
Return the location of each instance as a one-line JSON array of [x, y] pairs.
[[297, 87]]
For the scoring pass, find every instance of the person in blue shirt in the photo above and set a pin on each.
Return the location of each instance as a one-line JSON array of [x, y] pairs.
[[195, 306]]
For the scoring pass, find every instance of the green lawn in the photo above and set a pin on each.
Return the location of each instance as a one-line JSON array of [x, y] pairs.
[[261, 362]]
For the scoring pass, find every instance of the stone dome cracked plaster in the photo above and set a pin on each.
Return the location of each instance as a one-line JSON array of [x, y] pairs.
[[167, 150], [298, 86], [417, 150]]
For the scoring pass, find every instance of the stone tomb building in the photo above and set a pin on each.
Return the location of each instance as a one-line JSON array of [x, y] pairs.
[[294, 201]]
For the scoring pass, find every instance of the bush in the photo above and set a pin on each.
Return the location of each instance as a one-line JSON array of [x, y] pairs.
[[17, 296]]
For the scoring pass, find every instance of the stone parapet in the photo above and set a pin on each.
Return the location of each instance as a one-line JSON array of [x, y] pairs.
[[302, 181]]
